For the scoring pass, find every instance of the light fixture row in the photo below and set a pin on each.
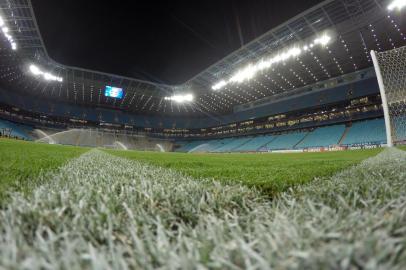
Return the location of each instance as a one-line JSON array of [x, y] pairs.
[[5, 30], [251, 70], [181, 98], [36, 71]]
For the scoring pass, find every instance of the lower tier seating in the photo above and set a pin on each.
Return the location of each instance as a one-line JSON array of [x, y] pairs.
[[285, 141], [366, 132], [254, 143], [357, 133], [17, 130], [400, 128], [324, 136], [363, 132]]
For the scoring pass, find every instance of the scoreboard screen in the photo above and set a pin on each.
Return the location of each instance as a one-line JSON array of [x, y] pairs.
[[113, 92]]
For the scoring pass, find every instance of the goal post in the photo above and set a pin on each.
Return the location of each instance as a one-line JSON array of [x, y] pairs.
[[390, 69], [385, 108]]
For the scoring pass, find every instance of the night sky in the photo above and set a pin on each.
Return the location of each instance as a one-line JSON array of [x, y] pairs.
[[166, 42]]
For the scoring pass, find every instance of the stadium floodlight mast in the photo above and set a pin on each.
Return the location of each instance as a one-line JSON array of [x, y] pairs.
[[251, 70], [45, 75], [5, 31], [181, 98]]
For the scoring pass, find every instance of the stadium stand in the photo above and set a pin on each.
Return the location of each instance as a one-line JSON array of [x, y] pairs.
[[322, 137], [358, 133], [68, 116], [187, 146], [229, 147], [17, 130], [363, 132], [285, 141], [100, 138], [254, 144], [400, 128], [363, 85], [209, 146], [366, 132]]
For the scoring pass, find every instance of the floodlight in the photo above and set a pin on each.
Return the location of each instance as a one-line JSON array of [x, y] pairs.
[[35, 70], [219, 85], [45, 75], [323, 40], [5, 31], [48, 76], [397, 4], [181, 98], [295, 51]]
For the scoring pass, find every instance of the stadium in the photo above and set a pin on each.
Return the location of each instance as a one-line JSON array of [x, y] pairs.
[[287, 153]]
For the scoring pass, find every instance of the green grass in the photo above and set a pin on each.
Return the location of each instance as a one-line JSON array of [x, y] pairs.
[[21, 162], [104, 212], [271, 173]]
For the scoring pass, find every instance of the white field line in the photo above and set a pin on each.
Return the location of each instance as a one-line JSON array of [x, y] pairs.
[[105, 212]]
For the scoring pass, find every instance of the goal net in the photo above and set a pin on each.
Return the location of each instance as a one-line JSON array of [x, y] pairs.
[[390, 68]]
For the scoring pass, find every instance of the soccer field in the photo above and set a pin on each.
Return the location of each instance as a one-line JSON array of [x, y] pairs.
[[21, 162], [271, 173], [69, 207]]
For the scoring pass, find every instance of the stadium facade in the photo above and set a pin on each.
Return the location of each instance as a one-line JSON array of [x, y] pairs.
[[307, 84]]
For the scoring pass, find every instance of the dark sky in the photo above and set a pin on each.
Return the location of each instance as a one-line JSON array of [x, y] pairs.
[[163, 41]]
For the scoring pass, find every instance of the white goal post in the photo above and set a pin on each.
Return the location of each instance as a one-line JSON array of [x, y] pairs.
[[390, 69]]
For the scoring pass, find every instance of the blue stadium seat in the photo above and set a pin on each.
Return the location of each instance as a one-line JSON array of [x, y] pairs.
[[254, 144], [285, 141], [233, 144], [322, 137], [211, 145], [400, 128], [17, 130], [189, 146], [370, 132]]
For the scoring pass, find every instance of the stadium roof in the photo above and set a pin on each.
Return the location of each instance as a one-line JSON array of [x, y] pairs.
[[328, 40]]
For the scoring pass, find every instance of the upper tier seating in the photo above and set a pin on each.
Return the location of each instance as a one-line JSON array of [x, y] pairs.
[[17, 130], [366, 132], [323, 137]]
